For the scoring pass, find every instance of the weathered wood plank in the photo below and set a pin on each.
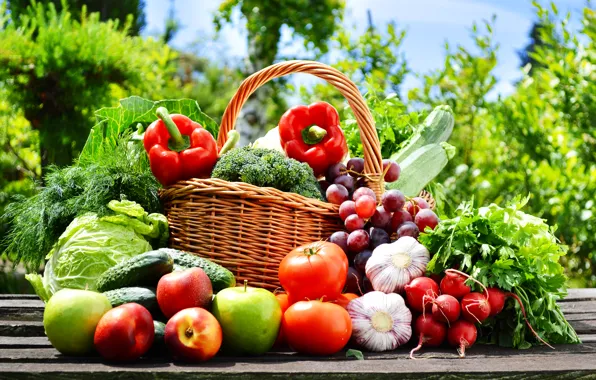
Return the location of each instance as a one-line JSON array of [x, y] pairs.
[[580, 294], [22, 328], [40, 353], [15, 309], [563, 365], [584, 327], [18, 296], [582, 307], [24, 342]]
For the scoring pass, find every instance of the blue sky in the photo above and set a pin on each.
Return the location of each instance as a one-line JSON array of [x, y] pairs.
[[429, 23]]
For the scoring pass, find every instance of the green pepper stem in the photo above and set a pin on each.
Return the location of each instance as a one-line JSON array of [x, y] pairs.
[[313, 134], [177, 142], [233, 138]]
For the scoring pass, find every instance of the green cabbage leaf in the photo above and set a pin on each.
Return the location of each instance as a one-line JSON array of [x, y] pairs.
[[91, 244]]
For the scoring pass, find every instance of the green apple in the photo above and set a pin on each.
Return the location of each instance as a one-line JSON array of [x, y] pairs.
[[249, 318], [70, 318]]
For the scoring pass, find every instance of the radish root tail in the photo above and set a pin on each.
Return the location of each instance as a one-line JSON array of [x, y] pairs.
[[462, 348], [418, 347], [523, 310]]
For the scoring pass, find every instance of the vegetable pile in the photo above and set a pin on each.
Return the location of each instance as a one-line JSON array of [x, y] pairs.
[[393, 274], [515, 252]]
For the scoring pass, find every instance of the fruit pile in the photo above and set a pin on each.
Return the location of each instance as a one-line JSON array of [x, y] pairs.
[[369, 222], [132, 317]]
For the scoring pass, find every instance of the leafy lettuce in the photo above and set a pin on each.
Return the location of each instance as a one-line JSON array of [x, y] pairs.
[[91, 244]]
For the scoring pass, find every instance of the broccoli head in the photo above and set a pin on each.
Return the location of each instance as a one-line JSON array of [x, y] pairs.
[[267, 168]]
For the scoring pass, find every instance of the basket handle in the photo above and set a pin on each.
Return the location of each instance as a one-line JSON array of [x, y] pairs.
[[373, 161]]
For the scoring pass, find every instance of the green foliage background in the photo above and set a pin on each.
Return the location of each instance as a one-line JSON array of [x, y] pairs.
[[539, 140]]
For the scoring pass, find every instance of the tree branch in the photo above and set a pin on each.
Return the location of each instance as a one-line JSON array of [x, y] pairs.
[[24, 166]]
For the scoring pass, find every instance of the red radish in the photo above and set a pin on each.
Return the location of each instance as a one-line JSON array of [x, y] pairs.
[[445, 309], [429, 332], [454, 284], [475, 307], [462, 334], [420, 293], [509, 294], [496, 299]]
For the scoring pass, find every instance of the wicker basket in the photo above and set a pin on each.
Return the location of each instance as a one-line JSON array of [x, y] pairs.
[[249, 229]]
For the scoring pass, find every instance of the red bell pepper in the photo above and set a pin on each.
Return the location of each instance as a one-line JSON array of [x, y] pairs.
[[312, 134], [179, 148]]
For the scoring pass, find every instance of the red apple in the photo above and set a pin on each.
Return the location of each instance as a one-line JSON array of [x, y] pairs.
[[181, 290], [124, 333], [193, 335]]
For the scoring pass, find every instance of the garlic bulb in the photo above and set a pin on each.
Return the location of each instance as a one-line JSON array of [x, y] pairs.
[[380, 322], [392, 266]]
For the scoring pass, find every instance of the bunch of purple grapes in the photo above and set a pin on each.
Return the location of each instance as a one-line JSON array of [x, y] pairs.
[[342, 180], [370, 222]]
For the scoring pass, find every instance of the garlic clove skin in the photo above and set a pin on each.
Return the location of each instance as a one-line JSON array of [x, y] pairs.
[[392, 266], [380, 322]]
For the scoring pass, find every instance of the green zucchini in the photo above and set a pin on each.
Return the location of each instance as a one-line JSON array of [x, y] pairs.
[[421, 167], [143, 296], [220, 277], [142, 270], [435, 129]]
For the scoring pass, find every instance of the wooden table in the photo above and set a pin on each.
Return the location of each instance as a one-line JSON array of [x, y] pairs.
[[25, 353]]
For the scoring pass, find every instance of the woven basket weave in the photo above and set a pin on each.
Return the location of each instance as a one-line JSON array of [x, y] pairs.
[[249, 229]]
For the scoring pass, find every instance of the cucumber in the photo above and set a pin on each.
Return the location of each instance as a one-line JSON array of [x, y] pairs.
[[143, 296], [160, 333], [220, 277], [436, 128], [421, 167], [142, 270]]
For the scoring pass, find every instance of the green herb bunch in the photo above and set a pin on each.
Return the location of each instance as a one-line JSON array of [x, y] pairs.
[[34, 224], [513, 251]]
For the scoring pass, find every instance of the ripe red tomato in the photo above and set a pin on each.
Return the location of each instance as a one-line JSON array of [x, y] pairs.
[[314, 271], [282, 298], [317, 328]]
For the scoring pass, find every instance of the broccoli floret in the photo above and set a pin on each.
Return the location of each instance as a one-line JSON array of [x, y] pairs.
[[267, 168]]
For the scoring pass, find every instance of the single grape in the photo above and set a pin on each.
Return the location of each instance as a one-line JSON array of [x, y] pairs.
[[346, 209], [356, 164], [324, 185], [346, 181], [353, 282], [426, 218], [354, 222], [381, 218], [378, 236], [406, 229], [334, 171], [358, 241], [394, 170], [393, 200], [415, 205], [399, 218], [365, 206], [364, 191], [340, 238], [337, 194], [360, 260], [360, 182]]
